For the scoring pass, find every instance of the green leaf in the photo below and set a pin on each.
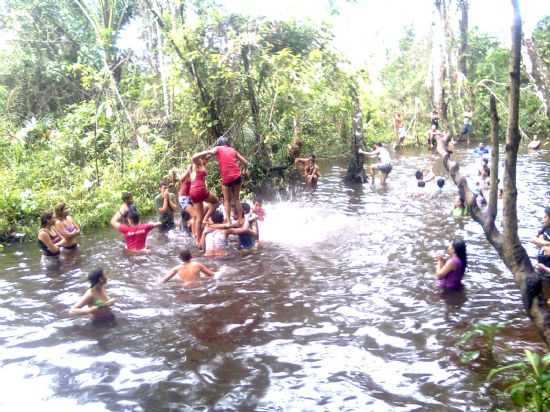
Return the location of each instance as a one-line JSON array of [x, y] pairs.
[[517, 393], [469, 356], [493, 372], [534, 360]]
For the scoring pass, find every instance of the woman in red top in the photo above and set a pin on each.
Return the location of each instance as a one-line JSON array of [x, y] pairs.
[[230, 171], [199, 193]]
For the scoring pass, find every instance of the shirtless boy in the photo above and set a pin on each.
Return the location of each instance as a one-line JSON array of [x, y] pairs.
[[188, 271]]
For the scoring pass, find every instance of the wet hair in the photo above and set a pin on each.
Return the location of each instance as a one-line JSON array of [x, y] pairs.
[[222, 141], [418, 174], [547, 210], [258, 200], [421, 183], [95, 276], [312, 157], [126, 196], [133, 216], [378, 144], [163, 184], [440, 182], [485, 160], [217, 217], [246, 208], [185, 216], [460, 249], [185, 255], [45, 218], [60, 210]]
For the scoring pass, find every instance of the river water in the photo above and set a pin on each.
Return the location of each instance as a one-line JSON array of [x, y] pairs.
[[338, 310]]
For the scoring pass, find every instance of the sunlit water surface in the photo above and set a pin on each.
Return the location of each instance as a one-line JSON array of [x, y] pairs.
[[338, 310]]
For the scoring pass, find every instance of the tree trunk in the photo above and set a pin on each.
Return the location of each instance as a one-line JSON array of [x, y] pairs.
[[463, 48], [507, 243], [356, 172], [162, 72], [539, 74], [245, 51]]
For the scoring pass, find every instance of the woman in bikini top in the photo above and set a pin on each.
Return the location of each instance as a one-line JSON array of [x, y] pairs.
[[49, 240], [66, 226], [95, 301]]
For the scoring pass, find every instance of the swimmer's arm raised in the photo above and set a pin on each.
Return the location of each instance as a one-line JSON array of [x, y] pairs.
[[115, 220], [170, 274]]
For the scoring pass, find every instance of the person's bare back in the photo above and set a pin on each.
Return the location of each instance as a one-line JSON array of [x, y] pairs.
[[188, 271]]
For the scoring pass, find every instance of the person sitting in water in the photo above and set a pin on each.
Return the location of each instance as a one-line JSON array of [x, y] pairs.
[[248, 231], [135, 233], [450, 271], [440, 182], [166, 205], [542, 240], [66, 226], [188, 271], [311, 169], [49, 240], [481, 149], [95, 300], [384, 165], [127, 206], [214, 239], [424, 175], [484, 172], [460, 209], [229, 161]]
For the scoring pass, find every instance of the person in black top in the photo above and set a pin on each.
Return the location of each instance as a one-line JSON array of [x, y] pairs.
[[543, 242]]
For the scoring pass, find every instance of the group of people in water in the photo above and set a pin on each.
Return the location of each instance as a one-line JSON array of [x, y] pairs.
[[211, 221]]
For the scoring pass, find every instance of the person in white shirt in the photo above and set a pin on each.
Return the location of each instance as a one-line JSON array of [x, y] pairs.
[[384, 165]]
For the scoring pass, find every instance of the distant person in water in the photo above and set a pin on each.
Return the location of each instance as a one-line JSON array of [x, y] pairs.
[[440, 182], [434, 117], [311, 169], [229, 161], [66, 226], [450, 271], [258, 209], [135, 233], [481, 150], [384, 165], [186, 206], [426, 175], [166, 205], [542, 240], [95, 300], [49, 240], [127, 206], [188, 271], [467, 128], [460, 209]]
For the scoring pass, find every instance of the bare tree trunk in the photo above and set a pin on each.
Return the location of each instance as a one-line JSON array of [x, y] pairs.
[[438, 60], [507, 243], [162, 72], [245, 51], [539, 74], [463, 49], [356, 172]]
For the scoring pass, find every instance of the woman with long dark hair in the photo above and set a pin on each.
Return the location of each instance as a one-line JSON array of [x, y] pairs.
[[450, 271], [95, 301]]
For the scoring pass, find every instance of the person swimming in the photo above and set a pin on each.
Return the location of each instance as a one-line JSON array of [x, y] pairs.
[[95, 301], [188, 271]]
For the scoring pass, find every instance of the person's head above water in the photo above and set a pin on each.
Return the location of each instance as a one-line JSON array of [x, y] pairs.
[[312, 158], [458, 247], [127, 197], [96, 277], [185, 255], [459, 202], [440, 182], [419, 175], [46, 219], [61, 211], [217, 217], [222, 141], [421, 183], [378, 144], [133, 217], [246, 208]]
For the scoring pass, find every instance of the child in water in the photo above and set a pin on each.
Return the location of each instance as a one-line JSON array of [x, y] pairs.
[[188, 271], [95, 301]]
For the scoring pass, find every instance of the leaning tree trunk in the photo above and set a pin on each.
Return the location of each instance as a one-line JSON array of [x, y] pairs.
[[539, 74], [507, 243], [356, 171]]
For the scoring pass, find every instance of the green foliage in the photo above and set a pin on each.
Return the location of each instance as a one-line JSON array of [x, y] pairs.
[[541, 36], [530, 388], [483, 333]]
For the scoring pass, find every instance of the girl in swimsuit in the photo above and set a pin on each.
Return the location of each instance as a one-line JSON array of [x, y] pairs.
[[214, 239], [199, 194], [95, 301], [49, 240], [66, 226]]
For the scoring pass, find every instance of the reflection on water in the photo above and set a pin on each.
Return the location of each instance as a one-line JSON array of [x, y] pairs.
[[338, 310]]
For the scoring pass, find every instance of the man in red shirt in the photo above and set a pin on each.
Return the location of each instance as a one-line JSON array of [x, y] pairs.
[[135, 233]]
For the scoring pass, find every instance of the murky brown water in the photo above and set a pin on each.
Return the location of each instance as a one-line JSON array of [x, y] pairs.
[[338, 311]]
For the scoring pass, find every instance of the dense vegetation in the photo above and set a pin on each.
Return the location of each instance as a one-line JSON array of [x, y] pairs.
[[82, 119]]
